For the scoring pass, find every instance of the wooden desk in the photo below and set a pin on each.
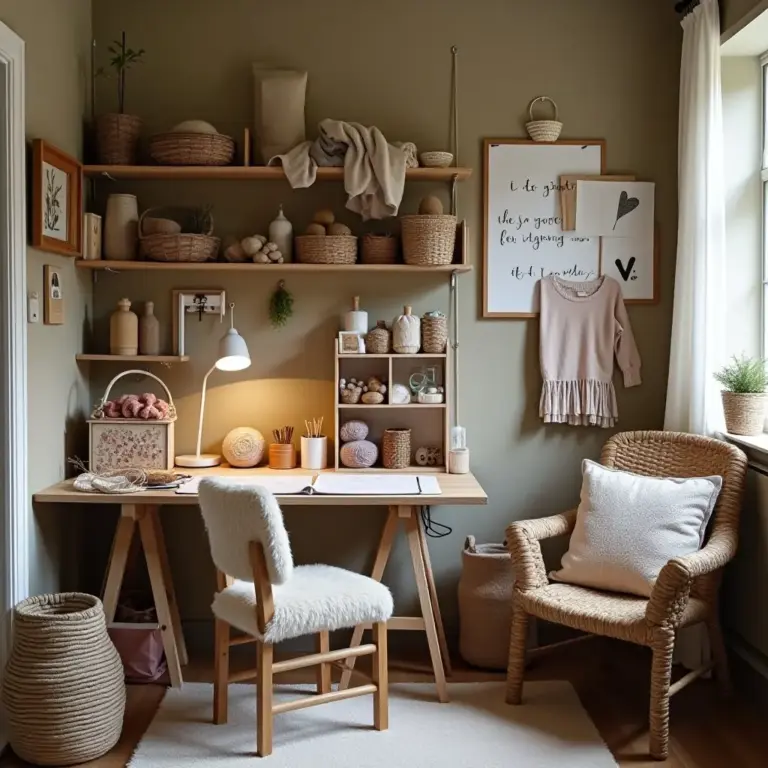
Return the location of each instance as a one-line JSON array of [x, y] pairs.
[[142, 510]]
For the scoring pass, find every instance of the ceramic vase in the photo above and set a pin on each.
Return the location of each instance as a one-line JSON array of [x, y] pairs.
[[124, 330], [356, 320], [281, 234], [149, 331], [121, 228], [406, 333]]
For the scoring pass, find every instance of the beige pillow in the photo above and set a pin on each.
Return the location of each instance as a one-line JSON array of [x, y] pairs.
[[628, 527]]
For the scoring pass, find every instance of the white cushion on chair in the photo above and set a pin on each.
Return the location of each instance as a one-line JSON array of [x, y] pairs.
[[317, 597]]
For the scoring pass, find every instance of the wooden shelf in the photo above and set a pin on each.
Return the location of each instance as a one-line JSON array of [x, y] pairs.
[[252, 173], [413, 469], [133, 358], [419, 406], [395, 356], [221, 266]]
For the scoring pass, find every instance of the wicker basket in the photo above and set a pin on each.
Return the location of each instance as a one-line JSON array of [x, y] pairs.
[[428, 241], [326, 249], [744, 413], [378, 341], [434, 334], [63, 689], [435, 159], [350, 396], [182, 247], [379, 249], [192, 149], [543, 130], [118, 138], [396, 448]]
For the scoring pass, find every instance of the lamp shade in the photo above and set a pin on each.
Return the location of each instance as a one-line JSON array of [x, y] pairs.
[[233, 352]]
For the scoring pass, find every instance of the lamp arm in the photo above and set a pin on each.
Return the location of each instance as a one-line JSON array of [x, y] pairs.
[[202, 411]]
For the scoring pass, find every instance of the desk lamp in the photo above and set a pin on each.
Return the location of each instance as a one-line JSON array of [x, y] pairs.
[[233, 356]]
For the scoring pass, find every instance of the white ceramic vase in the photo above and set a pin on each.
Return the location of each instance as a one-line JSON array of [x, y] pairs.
[[281, 234], [121, 227]]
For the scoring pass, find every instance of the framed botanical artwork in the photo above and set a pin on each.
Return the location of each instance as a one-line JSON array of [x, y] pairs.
[[351, 343], [53, 304], [57, 200]]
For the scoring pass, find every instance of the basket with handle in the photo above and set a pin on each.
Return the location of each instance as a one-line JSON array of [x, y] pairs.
[[184, 246], [131, 443], [543, 130]]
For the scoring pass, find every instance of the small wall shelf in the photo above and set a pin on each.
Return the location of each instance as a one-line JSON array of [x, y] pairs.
[[393, 406], [166, 359]]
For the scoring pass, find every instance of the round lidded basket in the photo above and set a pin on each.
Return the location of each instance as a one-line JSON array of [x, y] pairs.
[[378, 341], [326, 249], [428, 240], [434, 334], [379, 249], [180, 247], [192, 149], [543, 130], [744, 413], [63, 689], [396, 448]]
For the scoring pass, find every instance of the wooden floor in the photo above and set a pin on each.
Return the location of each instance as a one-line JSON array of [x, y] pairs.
[[612, 681]]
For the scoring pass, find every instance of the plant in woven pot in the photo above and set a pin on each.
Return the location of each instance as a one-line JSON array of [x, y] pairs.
[[117, 132], [744, 382]]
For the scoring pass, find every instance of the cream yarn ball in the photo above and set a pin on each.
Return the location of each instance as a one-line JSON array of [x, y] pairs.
[[359, 454], [243, 447]]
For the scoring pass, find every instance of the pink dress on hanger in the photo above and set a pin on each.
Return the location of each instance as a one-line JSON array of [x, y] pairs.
[[583, 326]]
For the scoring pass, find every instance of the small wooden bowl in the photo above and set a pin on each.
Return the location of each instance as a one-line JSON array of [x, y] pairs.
[[282, 456]]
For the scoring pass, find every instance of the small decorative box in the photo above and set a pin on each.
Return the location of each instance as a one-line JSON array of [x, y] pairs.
[[131, 443]]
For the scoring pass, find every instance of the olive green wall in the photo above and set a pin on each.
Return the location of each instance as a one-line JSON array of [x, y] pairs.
[[613, 69]]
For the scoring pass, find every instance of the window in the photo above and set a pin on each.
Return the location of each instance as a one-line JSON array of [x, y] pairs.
[[764, 329]]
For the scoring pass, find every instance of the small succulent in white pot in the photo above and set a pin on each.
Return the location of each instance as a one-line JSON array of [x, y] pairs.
[[744, 382]]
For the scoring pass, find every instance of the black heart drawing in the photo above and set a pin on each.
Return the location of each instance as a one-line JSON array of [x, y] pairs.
[[625, 272], [627, 204]]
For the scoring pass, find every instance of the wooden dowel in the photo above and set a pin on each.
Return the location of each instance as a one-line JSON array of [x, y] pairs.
[[689, 678], [242, 640], [312, 659], [541, 650], [246, 674], [323, 698]]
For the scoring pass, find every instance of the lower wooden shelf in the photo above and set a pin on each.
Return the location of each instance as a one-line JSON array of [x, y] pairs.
[[132, 358], [412, 470], [420, 406]]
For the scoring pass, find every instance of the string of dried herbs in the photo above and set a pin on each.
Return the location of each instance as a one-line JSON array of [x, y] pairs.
[[280, 306]]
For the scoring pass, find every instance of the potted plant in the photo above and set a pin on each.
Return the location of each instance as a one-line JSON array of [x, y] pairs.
[[744, 383], [117, 132]]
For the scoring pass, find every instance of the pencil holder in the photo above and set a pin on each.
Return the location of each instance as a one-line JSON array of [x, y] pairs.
[[282, 456], [314, 452], [396, 448]]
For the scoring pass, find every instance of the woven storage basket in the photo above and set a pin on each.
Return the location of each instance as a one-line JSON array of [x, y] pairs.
[[428, 241], [379, 249], [326, 249], [192, 149], [396, 448], [543, 130], [185, 246], [435, 159], [744, 413], [118, 138], [63, 689], [378, 341], [434, 334]]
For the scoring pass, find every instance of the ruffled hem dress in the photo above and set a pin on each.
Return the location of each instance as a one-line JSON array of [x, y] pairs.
[[584, 326]]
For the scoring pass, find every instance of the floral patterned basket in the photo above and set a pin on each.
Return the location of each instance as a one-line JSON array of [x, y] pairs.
[[131, 443]]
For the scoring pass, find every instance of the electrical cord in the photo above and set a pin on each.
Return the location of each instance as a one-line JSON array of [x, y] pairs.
[[433, 529]]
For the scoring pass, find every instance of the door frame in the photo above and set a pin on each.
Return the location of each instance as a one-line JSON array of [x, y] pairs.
[[15, 509]]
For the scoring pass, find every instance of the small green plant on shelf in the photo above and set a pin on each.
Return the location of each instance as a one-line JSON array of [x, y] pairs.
[[122, 59], [280, 306], [744, 375]]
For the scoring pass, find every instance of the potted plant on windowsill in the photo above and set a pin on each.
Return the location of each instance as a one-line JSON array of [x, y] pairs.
[[117, 132], [744, 383]]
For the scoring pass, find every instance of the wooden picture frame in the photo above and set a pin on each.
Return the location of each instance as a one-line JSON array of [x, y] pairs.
[[351, 343], [57, 200], [53, 295]]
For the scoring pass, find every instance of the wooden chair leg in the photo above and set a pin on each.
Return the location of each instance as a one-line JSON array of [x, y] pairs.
[[221, 672], [719, 656], [518, 641], [323, 644], [380, 678], [264, 653], [661, 670]]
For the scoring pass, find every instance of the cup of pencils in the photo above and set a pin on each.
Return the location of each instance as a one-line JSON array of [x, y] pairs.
[[282, 453], [314, 446]]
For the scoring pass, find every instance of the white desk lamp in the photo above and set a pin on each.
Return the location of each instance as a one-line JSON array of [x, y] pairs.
[[233, 356]]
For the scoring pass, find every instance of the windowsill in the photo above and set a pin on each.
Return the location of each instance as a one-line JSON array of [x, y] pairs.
[[757, 445]]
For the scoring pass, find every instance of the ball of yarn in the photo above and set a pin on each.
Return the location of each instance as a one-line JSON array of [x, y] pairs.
[[243, 447], [131, 407], [359, 454], [353, 430]]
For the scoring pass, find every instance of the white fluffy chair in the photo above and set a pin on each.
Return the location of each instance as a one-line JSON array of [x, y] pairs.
[[261, 593]]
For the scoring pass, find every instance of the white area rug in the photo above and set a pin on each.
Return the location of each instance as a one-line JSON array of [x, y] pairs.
[[476, 730]]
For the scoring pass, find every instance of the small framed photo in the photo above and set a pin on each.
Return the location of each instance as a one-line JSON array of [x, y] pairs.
[[57, 201], [351, 343], [53, 305]]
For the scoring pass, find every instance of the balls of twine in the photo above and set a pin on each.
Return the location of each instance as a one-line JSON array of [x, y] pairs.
[[243, 447], [353, 430]]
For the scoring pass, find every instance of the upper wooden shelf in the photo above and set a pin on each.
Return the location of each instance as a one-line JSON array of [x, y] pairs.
[[252, 172]]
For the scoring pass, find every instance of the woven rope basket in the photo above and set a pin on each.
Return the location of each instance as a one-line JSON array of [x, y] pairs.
[[179, 247], [379, 249], [396, 448], [428, 241], [326, 249], [243, 447], [118, 138], [378, 341], [63, 690], [543, 130], [192, 149], [434, 334], [744, 413]]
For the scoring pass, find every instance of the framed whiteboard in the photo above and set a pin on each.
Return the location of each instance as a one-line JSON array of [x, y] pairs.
[[523, 239]]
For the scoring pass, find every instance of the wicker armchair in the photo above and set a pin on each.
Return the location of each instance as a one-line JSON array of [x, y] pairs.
[[685, 593]]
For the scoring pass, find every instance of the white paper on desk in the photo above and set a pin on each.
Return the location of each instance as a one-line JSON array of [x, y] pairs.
[[278, 485], [615, 209], [342, 484]]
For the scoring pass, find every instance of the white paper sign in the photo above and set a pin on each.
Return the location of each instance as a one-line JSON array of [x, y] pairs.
[[631, 262], [614, 209]]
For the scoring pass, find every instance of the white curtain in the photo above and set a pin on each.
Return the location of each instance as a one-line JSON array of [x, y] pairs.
[[698, 326]]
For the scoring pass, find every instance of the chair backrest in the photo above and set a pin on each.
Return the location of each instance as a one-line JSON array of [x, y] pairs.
[[237, 514]]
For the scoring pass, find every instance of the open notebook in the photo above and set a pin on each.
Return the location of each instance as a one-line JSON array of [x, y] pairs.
[[332, 484]]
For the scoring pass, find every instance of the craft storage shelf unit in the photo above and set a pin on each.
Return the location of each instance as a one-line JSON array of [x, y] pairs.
[[429, 423]]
